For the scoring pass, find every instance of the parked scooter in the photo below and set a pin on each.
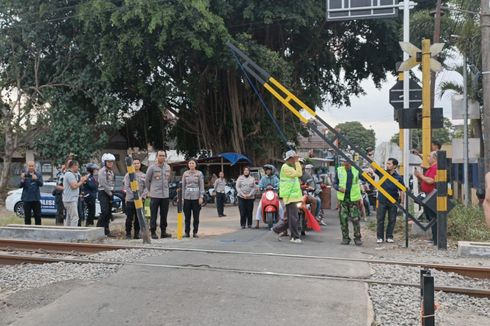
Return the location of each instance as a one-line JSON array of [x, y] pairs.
[[270, 207]]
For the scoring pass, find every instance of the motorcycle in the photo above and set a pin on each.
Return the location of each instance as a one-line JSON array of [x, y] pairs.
[[270, 207]]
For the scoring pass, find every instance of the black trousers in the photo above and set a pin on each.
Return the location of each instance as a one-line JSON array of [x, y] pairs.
[[132, 219], [105, 211], [32, 209], [220, 203], [90, 204], [60, 208], [191, 206], [430, 215], [246, 207], [81, 211], [383, 208], [155, 204]]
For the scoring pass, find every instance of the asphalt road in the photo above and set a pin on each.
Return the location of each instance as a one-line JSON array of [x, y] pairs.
[[155, 295]]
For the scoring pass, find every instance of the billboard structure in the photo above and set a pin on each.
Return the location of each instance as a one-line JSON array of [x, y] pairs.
[[338, 10]]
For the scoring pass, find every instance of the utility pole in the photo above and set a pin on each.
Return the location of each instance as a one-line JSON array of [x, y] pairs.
[[485, 53], [426, 103]]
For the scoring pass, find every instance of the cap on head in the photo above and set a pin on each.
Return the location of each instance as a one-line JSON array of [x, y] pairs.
[[343, 159], [289, 154], [309, 166]]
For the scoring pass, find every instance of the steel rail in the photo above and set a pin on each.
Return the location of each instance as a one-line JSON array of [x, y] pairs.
[[16, 259], [480, 272]]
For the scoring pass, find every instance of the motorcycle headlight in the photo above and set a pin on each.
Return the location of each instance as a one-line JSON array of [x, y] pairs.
[[269, 195]]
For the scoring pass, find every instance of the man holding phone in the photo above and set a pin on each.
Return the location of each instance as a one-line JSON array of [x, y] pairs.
[[31, 181]]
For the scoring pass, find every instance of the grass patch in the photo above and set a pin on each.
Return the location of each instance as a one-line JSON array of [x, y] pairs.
[[467, 224], [14, 219], [464, 224]]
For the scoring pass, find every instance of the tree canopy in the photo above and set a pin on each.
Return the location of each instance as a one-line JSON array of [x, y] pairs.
[[357, 134]]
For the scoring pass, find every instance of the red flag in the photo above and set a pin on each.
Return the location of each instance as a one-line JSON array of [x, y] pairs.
[[311, 222]]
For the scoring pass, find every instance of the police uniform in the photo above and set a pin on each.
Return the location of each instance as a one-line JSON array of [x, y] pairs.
[[106, 187], [192, 190], [131, 217], [156, 182], [90, 196], [219, 188]]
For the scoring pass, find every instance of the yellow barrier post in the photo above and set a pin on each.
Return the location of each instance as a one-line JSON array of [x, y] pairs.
[[180, 218]]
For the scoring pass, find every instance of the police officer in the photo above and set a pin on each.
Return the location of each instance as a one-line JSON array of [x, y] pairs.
[[156, 183], [348, 188], [193, 194], [131, 217], [106, 187], [58, 195], [90, 192], [30, 182], [219, 188]]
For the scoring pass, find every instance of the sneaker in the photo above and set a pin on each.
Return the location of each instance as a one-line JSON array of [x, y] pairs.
[[380, 241], [165, 235], [345, 241], [244, 227], [187, 235], [358, 242], [390, 240], [284, 234], [195, 235], [275, 235], [128, 236], [136, 237], [322, 222], [295, 240], [154, 235]]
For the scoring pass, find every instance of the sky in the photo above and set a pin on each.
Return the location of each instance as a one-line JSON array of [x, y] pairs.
[[374, 111]]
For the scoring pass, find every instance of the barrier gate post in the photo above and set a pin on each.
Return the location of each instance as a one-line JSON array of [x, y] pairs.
[[441, 185]]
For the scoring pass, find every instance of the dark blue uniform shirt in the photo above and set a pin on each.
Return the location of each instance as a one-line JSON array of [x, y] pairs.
[[30, 188], [390, 188]]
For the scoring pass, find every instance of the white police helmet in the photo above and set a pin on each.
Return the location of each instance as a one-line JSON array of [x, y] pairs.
[[107, 157]]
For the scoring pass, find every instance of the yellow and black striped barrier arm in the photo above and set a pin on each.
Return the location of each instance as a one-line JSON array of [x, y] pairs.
[[138, 201], [299, 109], [442, 200]]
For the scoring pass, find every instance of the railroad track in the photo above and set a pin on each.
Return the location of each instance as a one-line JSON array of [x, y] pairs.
[[469, 271], [19, 259]]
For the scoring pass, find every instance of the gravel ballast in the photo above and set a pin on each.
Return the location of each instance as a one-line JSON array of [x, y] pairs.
[[14, 278]]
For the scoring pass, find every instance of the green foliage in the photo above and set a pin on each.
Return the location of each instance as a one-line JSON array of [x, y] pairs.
[[443, 135], [355, 132], [467, 224]]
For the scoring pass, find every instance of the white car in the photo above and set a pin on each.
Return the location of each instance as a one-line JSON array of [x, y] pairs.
[[13, 203]]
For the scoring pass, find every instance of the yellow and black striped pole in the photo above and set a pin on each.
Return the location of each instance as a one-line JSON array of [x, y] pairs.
[[138, 202], [180, 218], [441, 185]]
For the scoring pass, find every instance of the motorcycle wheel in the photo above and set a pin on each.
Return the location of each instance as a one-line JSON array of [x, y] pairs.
[[175, 201], [269, 219]]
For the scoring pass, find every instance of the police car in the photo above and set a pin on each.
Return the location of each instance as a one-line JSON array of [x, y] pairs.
[[14, 203]]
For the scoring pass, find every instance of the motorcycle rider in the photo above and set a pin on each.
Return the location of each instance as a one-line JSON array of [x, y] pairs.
[[90, 190], [290, 192], [308, 184], [309, 169], [106, 187], [269, 180]]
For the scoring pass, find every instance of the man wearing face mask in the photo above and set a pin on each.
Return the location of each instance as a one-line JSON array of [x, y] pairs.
[[30, 182]]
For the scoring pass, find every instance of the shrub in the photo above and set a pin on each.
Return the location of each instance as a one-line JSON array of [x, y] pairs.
[[467, 224]]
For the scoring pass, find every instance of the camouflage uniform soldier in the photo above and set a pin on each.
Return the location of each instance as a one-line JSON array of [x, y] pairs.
[[349, 196]]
